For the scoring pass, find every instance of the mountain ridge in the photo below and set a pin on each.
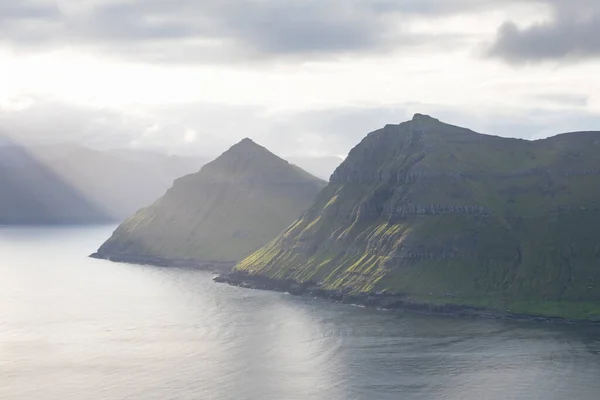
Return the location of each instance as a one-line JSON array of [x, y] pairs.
[[442, 214]]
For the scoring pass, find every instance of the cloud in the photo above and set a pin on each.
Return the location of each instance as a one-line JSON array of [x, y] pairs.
[[563, 99], [26, 21], [191, 128], [190, 135], [26, 9], [531, 123], [44, 121], [209, 129], [226, 30], [330, 131], [571, 34]]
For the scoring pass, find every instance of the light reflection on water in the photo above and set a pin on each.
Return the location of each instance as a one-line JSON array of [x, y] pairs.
[[77, 328]]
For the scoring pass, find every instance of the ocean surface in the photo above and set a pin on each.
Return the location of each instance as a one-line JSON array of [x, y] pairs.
[[77, 328]]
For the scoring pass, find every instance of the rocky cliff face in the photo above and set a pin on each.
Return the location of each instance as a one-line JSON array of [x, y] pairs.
[[443, 214], [234, 205]]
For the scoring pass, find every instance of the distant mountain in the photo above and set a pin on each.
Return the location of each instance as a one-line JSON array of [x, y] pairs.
[[321, 167], [438, 214], [66, 184], [234, 205]]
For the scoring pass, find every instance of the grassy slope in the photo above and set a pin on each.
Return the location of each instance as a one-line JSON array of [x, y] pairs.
[[533, 250], [231, 207]]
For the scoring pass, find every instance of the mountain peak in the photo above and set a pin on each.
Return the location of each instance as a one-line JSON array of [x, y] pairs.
[[247, 148], [247, 160], [423, 117], [246, 141]]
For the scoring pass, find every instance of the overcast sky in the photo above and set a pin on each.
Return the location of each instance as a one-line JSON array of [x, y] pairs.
[[302, 77]]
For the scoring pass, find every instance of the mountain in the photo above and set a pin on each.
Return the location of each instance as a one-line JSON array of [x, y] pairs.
[[234, 205], [63, 184], [319, 166], [440, 215], [31, 193]]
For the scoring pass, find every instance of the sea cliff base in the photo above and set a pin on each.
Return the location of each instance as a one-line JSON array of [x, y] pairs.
[[381, 300], [212, 266]]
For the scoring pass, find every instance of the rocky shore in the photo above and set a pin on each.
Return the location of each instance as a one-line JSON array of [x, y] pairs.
[[214, 266], [379, 300]]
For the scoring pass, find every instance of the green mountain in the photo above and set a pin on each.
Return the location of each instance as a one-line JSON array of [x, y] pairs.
[[444, 215], [231, 207]]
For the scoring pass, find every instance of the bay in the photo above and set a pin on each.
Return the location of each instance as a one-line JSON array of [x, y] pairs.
[[77, 328]]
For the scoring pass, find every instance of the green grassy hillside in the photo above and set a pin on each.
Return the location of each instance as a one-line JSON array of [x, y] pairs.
[[234, 205], [446, 215]]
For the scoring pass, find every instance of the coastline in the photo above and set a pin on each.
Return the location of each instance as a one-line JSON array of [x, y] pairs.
[[382, 301], [212, 266]]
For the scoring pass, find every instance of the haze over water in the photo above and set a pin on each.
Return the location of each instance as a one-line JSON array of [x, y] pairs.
[[77, 328]]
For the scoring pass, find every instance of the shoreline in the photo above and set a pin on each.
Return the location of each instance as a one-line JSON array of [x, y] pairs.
[[211, 266], [382, 301]]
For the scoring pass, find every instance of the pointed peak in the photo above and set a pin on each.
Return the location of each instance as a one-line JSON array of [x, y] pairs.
[[246, 145], [247, 140], [249, 160], [247, 149]]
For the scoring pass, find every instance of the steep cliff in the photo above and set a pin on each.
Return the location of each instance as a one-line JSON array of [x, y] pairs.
[[234, 205], [441, 214]]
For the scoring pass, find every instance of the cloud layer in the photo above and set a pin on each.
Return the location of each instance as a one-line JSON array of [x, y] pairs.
[[189, 31], [225, 30], [210, 129], [196, 76]]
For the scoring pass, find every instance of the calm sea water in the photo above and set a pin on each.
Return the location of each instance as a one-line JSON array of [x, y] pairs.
[[77, 328]]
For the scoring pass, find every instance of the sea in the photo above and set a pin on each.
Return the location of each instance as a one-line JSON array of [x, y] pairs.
[[75, 328]]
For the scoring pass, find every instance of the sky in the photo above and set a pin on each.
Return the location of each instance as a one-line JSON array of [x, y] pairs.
[[301, 77]]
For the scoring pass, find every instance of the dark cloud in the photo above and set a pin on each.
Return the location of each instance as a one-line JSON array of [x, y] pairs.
[[571, 34], [26, 20], [22, 10], [184, 31], [221, 30], [433, 7]]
